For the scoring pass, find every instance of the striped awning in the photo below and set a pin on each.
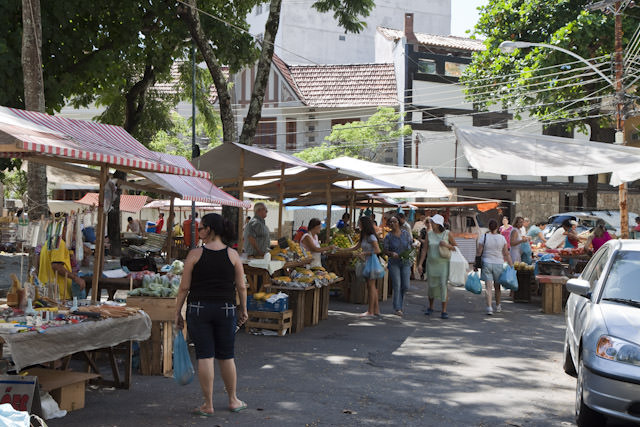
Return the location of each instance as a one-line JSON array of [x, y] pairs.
[[192, 188], [32, 133], [128, 203]]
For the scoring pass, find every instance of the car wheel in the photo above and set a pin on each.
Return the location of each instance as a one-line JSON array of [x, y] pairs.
[[585, 416], [567, 361]]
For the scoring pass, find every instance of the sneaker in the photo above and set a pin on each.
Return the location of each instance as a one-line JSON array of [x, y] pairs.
[[444, 315], [428, 312], [499, 308], [489, 311]]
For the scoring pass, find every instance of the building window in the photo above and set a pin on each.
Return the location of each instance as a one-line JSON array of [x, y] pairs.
[[312, 139], [342, 121], [291, 134], [342, 37], [258, 9], [426, 66], [453, 69], [266, 133]]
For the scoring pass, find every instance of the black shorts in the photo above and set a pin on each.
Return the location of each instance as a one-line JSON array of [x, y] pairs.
[[212, 328]]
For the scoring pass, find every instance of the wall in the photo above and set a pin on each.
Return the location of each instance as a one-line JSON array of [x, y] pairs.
[[609, 201], [313, 37], [536, 205]]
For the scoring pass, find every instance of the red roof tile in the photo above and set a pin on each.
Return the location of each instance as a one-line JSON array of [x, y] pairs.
[[346, 85], [451, 42]]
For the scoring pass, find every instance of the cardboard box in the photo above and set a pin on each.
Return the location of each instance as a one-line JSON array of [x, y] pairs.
[[66, 387], [158, 309]]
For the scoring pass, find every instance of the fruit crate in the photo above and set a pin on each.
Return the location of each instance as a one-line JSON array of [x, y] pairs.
[[274, 321], [256, 305]]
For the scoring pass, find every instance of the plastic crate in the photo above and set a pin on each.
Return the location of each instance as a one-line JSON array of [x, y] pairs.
[[278, 306]]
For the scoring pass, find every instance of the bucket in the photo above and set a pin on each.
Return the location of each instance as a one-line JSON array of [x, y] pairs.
[[151, 227]]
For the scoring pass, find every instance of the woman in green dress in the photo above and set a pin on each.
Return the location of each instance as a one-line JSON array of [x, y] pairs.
[[437, 265]]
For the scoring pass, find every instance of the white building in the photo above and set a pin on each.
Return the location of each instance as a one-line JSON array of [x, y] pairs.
[[306, 36]]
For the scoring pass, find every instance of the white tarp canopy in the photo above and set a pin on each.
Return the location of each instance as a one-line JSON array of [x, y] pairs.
[[420, 180], [509, 153]]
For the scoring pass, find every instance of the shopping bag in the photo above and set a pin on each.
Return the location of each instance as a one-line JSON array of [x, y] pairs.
[[509, 278], [183, 371], [10, 417], [526, 252], [473, 284], [458, 266], [373, 269]]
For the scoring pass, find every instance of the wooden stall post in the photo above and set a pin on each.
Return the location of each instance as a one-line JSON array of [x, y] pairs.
[[97, 258], [170, 242], [241, 198], [280, 200], [328, 220]]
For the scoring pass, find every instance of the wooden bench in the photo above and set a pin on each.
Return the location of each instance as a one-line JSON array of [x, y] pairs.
[[154, 245]]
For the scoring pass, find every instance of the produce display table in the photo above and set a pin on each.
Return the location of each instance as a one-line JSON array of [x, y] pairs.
[[302, 302], [30, 348], [525, 280], [341, 264], [113, 285], [255, 275], [552, 291]]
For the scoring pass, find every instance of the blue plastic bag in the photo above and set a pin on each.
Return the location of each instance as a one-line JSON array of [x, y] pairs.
[[183, 371], [509, 278], [372, 268], [473, 284]]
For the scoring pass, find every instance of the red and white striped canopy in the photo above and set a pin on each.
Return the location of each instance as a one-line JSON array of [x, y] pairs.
[[80, 141], [191, 187], [128, 203]]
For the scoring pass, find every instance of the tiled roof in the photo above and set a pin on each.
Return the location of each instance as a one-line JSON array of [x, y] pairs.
[[349, 85], [451, 42], [286, 73]]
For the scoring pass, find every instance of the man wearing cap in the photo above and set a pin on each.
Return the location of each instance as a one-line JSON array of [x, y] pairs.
[[256, 233]]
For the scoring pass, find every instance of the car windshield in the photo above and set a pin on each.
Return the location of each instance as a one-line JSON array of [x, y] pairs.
[[558, 219], [622, 280]]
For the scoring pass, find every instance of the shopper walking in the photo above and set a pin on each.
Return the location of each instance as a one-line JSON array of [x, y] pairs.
[[370, 248], [397, 245], [493, 248], [437, 264], [212, 275]]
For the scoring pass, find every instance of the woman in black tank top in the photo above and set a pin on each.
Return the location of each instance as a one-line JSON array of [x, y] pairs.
[[212, 275]]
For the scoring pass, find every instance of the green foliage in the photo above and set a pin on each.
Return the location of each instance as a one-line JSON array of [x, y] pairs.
[[523, 80], [347, 13], [363, 140], [15, 183]]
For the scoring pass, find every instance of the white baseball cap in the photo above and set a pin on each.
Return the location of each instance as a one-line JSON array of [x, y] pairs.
[[438, 219]]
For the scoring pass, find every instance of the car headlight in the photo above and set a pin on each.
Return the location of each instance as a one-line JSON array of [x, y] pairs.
[[618, 350]]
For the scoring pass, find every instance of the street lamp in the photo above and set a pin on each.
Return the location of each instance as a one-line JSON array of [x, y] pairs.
[[510, 46]]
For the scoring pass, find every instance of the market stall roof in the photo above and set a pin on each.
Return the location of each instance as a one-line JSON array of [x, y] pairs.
[[510, 153], [190, 187], [180, 204], [29, 133], [409, 179], [128, 203], [223, 161], [344, 199], [482, 206]]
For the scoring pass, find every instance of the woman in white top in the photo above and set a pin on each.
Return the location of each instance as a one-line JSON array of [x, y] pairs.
[[493, 248], [517, 240], [310, 242]]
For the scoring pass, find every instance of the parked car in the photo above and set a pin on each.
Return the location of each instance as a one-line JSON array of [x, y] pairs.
[[602, 340], [587, 220]]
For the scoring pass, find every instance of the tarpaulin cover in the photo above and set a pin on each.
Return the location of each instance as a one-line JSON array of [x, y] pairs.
[[509, 153], [128, 203], [30, 348]]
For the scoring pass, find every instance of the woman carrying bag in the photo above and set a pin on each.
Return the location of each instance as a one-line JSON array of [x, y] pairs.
[[494, 253], [439, 244], [396, 243], [373, 270]]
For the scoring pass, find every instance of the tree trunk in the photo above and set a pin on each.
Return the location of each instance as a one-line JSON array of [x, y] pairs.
[[262, 74], [34, 100], [191, 18]]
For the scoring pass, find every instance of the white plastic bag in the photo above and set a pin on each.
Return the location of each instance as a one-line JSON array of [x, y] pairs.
[[9, 417], [458, 267]]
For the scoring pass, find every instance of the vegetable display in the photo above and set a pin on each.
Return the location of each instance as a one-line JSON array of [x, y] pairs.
[[157, 285]]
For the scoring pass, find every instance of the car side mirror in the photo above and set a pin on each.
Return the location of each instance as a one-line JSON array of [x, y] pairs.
[[579, 286]]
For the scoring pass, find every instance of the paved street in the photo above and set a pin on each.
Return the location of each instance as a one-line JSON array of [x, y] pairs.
[[470, 370]]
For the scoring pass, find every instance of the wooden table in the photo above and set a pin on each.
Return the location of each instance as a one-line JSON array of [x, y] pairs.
[[113, 285], [552, 291], [260, 277], [302, 301]]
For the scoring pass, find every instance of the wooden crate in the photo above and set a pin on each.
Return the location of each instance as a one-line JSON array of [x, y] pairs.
[[278, 321], [66, 387], [552, 287], [158, 309]]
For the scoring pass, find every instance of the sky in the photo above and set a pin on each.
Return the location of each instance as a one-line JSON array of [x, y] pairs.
[[464, 15]]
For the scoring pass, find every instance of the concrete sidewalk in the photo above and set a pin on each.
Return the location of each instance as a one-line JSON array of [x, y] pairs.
[[469, 370]]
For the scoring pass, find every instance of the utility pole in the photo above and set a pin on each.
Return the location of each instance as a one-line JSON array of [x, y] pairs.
[[194, 148]]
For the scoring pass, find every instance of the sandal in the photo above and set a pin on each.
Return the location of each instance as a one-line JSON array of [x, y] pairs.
[[242, 407]]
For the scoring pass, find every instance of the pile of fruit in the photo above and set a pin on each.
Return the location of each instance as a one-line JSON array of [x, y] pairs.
[[262, 296], [302, 277], [156, 285], [341, 240], [522, 266], [567, 251], [293, 253]]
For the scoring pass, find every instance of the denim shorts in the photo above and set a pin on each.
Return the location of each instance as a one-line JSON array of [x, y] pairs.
[[212, 328], [491, 272]]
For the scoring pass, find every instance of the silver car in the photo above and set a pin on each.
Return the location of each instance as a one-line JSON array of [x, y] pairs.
[[602, 342]]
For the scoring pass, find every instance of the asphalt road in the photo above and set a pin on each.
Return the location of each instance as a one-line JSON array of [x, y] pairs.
[[469, 370]]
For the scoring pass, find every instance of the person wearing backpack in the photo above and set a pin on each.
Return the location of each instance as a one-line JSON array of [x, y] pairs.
[[494, 253]]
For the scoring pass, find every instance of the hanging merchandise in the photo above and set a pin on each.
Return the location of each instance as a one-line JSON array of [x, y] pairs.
[[68, 236], [79, 243], [110, 195]]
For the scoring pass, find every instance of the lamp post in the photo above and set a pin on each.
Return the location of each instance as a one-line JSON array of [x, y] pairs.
[[194, 148], [510, 46]]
